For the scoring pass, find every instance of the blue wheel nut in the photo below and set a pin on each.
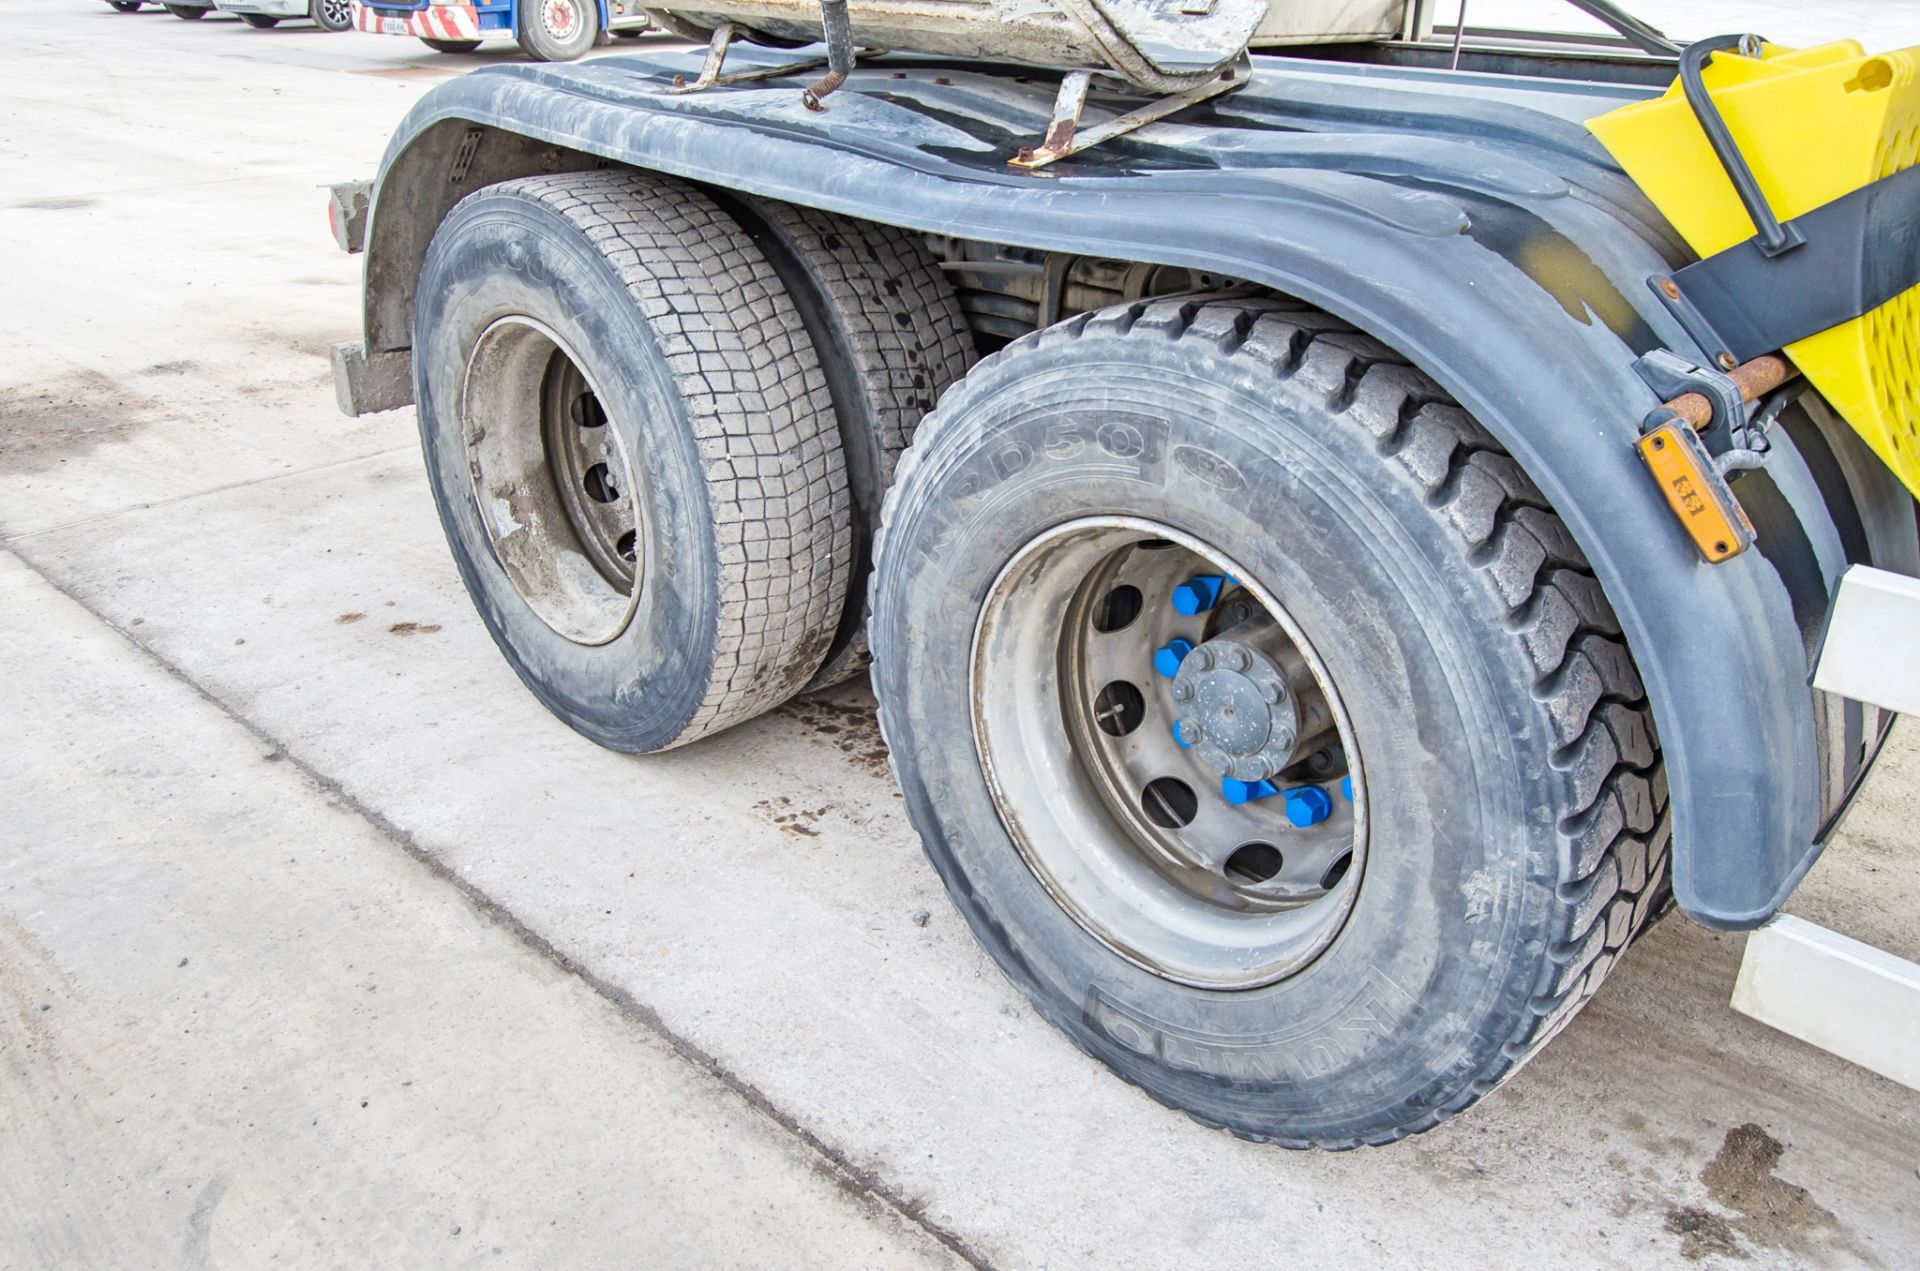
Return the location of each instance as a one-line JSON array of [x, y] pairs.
[[1308, 805], [1197, 594], [1236, 791], [1168, 657], [1346, 788]]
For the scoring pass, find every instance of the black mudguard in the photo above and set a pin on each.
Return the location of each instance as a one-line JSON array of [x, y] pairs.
[[1468, 220]]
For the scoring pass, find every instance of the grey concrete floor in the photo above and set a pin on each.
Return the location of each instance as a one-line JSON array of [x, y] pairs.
[[321, 944]]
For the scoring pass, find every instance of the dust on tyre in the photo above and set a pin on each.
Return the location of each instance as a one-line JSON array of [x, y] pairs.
[[632, 449], [1263, 721]]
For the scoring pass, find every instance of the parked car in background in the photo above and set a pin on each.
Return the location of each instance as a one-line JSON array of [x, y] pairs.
[[549, 30], [328, 15]]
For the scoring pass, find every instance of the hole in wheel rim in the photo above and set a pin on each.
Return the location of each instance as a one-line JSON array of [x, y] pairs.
[[1169, 802], [1119, 708], [1255, 862]]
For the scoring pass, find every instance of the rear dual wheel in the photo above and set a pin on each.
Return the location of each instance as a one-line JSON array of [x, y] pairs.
[[660, 494], [632, 448], [1263, 722]]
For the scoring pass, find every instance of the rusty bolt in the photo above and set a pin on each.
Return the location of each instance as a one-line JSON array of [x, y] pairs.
[[679, 81], [1727, 361], [1669, 289], [1026, 154]]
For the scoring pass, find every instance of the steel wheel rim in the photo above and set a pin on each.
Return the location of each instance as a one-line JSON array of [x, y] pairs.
[[1177, 897], [560, 17], [560, 498]]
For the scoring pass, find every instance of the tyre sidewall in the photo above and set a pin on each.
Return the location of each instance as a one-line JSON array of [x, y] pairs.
[[1420, 990], [496, 255]]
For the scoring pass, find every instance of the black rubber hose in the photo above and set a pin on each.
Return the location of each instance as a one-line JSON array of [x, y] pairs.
[[839, 37]]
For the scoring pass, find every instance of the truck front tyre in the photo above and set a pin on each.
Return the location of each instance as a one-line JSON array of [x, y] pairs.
[[1209, 540], [558, 30], [450, 46], [633, 453]]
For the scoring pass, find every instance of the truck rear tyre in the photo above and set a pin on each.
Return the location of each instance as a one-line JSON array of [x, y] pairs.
[[1138, 561], [558, 30], [450, 46], [633, 452], [331, 15], [891, 338], [260, 21]]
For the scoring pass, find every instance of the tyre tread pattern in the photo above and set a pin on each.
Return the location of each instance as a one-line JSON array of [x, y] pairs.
[[761, 417], [902, 329], [1613, 829]]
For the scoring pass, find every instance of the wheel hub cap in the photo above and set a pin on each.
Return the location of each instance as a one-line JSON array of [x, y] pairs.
[[1235, 710]]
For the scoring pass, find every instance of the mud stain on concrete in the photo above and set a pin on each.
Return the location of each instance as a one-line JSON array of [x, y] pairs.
[[1703, 1234], [44, 427], [1757, 1207], [56, 205], [792, 818], [411, 628], [1772, 1211], [849, 726]]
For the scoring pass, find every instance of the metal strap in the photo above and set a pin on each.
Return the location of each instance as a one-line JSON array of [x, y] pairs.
[[1860, 251]]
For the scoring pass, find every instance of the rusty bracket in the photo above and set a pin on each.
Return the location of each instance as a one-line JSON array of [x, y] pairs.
[[1065, 136], [1693, 480], [723, 38]]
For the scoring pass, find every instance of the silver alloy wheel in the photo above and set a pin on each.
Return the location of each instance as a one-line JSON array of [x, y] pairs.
[[1128, 827], [338, 13], [556, 488]]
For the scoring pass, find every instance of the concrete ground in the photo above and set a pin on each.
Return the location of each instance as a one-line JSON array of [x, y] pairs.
[[322, 944]]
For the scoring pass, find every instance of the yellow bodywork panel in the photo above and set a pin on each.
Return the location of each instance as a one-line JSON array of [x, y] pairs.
[[1813, 124]]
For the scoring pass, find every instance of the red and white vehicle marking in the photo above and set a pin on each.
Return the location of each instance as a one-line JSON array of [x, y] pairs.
[[435, 22]]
